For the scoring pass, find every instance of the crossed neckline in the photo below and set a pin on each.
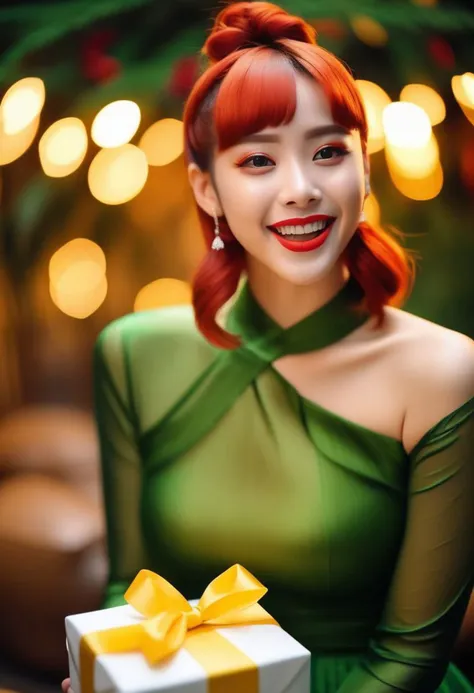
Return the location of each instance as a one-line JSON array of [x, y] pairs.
[[218, 387], [262, 336]]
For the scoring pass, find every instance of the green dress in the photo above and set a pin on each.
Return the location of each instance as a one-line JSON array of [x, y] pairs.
[[211, 458]]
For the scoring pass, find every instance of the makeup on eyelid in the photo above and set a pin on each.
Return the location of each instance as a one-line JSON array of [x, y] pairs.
[[342, 150]]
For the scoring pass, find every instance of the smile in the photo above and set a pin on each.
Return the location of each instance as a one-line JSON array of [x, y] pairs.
[[303, 234]]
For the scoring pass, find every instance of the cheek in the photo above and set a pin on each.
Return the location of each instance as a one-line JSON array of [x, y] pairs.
[[243, 197], [346, 187]]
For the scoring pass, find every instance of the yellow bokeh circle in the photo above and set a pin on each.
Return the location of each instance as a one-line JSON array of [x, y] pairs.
[[79, 250], [14, 146], [80, 291], [414, 162], [63, 147], [22, 104], [116, 124], [406, 125], [427, 98], [117, 175], [163, 142], [375, 100], [161, 293]]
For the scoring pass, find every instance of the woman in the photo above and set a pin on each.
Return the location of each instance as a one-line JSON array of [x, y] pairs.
[[321, 437]]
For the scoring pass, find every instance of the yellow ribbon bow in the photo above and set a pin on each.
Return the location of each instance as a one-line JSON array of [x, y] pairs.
[[229, 600]]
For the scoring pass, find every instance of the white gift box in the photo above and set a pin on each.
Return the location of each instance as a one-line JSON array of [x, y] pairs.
[[283, 664]]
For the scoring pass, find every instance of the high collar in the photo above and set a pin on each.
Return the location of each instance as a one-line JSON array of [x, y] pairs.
[[327, 325]]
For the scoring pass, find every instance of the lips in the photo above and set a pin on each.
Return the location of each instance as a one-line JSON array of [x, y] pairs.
[[302, 221], [303, 242]]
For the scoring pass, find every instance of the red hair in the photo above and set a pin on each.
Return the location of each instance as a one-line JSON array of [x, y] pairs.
[[255, 50]]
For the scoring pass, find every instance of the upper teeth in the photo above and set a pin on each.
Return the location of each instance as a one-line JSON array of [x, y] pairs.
[[307, 228]]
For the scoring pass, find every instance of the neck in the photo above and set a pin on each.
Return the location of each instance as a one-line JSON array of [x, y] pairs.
[[287, 303]]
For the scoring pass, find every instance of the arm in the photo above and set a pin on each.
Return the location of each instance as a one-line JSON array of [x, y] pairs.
[[433, 579], [120, 463]]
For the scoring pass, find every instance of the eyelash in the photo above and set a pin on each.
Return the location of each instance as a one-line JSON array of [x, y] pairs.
[[340, 149]]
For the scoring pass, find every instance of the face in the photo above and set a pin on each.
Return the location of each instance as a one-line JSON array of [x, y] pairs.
[[292, 195]]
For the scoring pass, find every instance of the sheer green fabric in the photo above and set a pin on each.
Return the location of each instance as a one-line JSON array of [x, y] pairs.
[[211, 458]]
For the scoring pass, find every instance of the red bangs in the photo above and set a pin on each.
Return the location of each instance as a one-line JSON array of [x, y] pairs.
[[259, 91], [337, 83], [241, 94]]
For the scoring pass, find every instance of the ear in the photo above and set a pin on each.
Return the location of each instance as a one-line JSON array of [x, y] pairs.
[[204, 192]]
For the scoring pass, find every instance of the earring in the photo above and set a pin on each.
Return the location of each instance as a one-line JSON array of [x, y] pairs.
[[362, 217], [217, 243]]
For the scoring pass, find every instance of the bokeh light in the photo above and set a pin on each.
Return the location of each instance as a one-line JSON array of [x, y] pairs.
[[369, 31], [80, 291], [463, 90], [116, 124], [162, 293], [77, 278], [406, 125], [372, 210], [375, 100], [427, 98], [77, 250], [63, 147], [420, 189], [22, 104], [14, 146], [118, 175], [413, 162], [163, 142]]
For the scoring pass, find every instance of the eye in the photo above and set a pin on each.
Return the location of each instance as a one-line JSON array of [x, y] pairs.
[[256, 161], [330, 152]]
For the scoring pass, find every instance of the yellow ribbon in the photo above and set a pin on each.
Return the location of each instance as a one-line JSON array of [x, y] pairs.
[[171, 622]]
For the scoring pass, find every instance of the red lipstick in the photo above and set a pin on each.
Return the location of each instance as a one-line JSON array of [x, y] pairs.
[[314, 240], [301, 221]]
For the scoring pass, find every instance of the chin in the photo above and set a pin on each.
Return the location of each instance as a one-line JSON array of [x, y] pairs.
[[303, 276]]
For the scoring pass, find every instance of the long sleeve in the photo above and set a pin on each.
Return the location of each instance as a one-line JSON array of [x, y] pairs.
[[120, 463], [433, 579]]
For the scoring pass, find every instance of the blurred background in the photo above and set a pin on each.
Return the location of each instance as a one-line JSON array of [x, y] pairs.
[[96, 221]]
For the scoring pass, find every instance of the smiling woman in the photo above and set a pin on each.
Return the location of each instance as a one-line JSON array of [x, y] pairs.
[[285, 110], [320, 437]]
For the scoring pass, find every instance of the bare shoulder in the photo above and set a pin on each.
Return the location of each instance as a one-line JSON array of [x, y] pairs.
[[436, 370]]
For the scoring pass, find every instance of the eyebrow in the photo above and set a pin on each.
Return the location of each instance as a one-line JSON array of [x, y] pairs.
[[332, 129]]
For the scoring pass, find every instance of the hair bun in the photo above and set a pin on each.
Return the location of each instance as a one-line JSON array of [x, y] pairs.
[[246, 24]]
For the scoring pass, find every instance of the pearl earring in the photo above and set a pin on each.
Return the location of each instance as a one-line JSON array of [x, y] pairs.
[[217, 243]]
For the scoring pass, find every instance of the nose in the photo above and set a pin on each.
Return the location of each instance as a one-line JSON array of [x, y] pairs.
[[298, 189]]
